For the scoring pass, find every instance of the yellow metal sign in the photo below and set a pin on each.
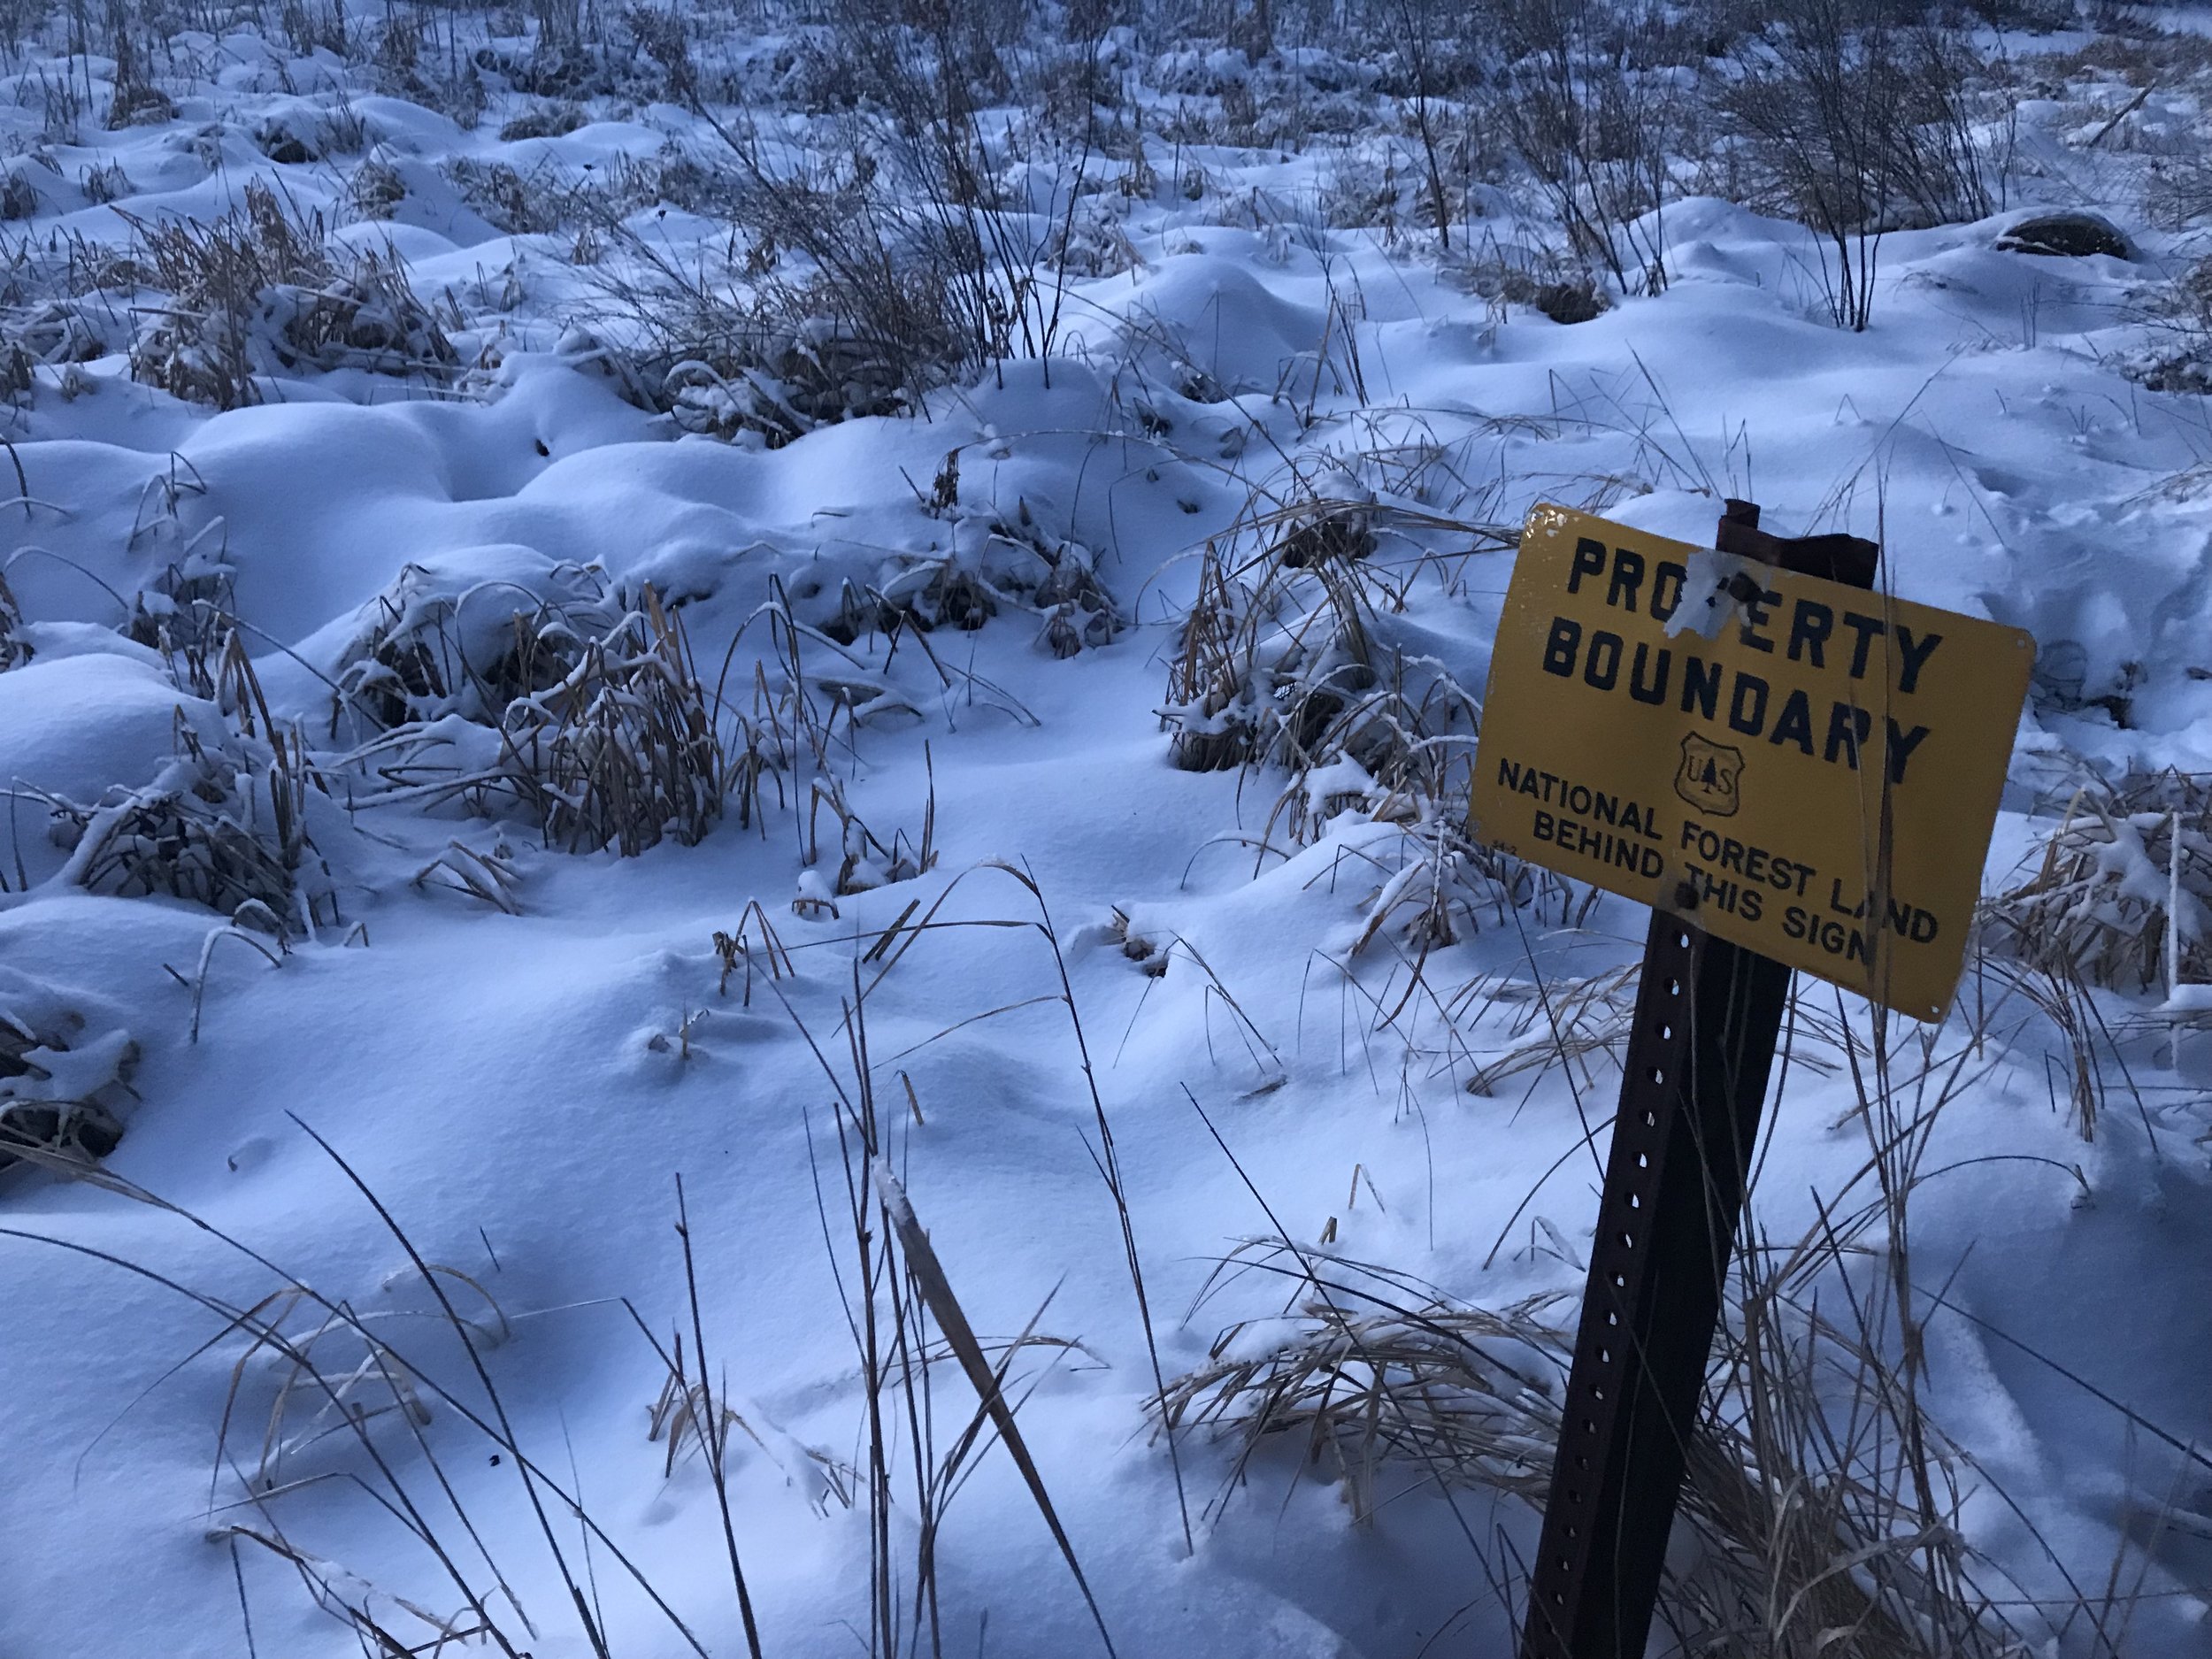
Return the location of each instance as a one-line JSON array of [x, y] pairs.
[[1804, 769]]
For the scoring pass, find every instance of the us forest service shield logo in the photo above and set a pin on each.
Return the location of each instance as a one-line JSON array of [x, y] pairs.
[[1711, 776]]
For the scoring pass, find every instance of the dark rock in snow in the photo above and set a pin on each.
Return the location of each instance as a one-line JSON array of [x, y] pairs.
[[2066, 235]]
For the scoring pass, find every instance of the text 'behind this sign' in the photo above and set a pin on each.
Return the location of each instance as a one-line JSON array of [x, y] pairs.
[[1804, 769]]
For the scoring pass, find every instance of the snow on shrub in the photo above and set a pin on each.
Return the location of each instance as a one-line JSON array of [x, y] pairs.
[[505, 198], [1281, 663], [2096, 905], [742, 354], [1291, 660], [376, 189], [998, 561], [782, 382], [224, 823], [2178, 355], [61, 1090], [623, 750], [587, 716], [296, 134], [60, 331], [427, 650], [259, 293], [186, 611], [543, 120]]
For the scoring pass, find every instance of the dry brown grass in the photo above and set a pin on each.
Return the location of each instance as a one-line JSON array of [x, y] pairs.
[[598, 726], [224, 824], [14, 650], [424, 652], [623, 750], [1280, 665], [1582, 1019], [2094, 907], [259, 291], [323, 1397], [1802, 1533], [1370, 1371], [78, 1120]]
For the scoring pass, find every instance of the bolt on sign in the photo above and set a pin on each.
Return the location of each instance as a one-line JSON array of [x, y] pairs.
[[1807, 769]]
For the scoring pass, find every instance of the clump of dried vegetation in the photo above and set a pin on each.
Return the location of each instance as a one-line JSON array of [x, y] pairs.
[[1584, 107], [259, 291], [224, 824], [623, 749], [998, 561], [1287, 668], [222, 827], [62, 1091], [1286, 660], [585, 714], [775, 379], [1806, 1528], [1856, 121], [14, 648], [1365, 1370], [772, 347], [2124, 879], [926, 238], [584, 711], [425, 651], [2177, 355]]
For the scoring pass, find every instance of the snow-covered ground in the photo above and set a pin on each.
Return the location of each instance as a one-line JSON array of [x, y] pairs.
[[403, 1059]]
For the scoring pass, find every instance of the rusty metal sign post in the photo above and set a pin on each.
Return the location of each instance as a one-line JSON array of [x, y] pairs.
[[1709, 1008]]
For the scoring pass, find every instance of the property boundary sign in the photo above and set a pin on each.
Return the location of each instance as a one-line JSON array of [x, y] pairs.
[[1793, 771], [1802, 768]]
